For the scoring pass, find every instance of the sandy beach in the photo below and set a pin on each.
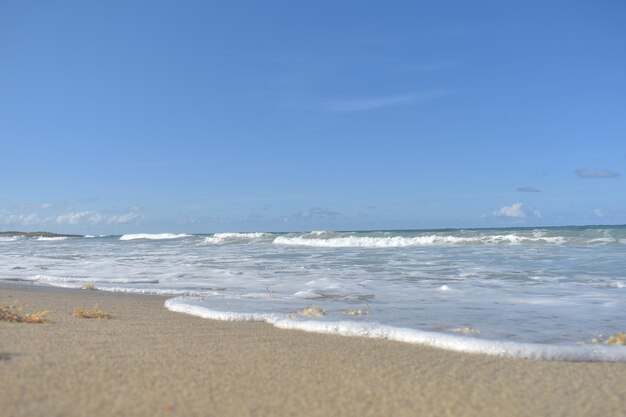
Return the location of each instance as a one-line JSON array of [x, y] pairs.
[[148, 361]]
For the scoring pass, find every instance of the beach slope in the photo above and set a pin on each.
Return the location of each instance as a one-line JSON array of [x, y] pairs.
[[148, 361]]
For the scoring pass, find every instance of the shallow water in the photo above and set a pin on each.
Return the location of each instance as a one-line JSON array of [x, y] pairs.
[[540, 293]]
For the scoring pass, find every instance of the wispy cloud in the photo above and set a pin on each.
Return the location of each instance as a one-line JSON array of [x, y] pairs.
[[312, 213], [123, 218], [370, 103], [528, 190], [596, 173], [81, 217], [317, 212]]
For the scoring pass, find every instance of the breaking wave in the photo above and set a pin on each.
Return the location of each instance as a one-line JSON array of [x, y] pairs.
[[403, 241], [218, 238], [153, 236]]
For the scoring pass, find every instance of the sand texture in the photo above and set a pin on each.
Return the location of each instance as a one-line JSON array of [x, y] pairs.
[[148, 361]]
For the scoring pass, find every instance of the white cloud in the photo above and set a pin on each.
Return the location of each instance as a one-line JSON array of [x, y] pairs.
[[19, 219], [514, 210], [123, 218], [92, 217], [81, 217], [599, 212]]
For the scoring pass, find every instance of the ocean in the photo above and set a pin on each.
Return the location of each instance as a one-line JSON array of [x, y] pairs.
[[540, 293]]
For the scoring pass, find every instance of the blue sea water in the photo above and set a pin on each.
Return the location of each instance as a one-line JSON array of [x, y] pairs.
[[544, 293]]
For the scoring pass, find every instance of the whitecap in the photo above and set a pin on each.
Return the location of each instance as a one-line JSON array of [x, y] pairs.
[[402, 241], [218, 238], [153, 236]]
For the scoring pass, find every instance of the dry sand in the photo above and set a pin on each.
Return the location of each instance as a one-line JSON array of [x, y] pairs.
[[148, 361]]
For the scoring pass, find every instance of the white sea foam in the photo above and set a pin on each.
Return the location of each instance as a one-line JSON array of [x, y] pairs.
[[601, 241], [86, 280], [590, 352], [540, 287], [218, 238], [251, 235], [402, 241], [180, 306], [153, 236], [310, 294], [167, 292], [52, 239]]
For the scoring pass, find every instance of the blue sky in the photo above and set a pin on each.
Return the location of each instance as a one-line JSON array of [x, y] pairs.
[[149, 116]]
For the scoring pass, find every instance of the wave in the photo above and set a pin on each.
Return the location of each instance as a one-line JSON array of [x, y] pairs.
[[48, 279], [44, 238], [402, 241], [135, 290], [226, 237], [153, 236], [537, 351]]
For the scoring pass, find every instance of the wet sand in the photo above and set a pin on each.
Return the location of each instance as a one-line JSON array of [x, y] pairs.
[[148, 361]]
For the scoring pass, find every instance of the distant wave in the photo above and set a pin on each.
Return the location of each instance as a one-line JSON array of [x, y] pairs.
[[402, 241], [52, 238], [225, 237], [153, 236]]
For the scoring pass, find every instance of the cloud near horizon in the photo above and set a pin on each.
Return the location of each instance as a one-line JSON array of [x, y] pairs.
[[19, 219], [596, 173], [92, 217], [515, 210], [78, 218]]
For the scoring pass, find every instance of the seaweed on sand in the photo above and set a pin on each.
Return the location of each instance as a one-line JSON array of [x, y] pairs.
[[96, 313], [13, 313]]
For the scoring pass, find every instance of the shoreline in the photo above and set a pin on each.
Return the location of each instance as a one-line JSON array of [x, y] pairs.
[[148, 360]]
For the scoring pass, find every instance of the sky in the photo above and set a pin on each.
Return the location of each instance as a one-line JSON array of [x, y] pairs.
[[199, 116]]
